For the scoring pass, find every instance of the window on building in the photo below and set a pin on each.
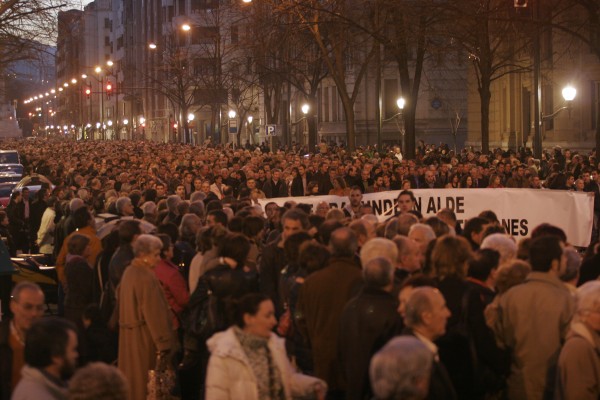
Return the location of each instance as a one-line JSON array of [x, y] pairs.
[[204, 34], [204, 66], [181, 7], [106, 23], [326, 101], [106, 41]]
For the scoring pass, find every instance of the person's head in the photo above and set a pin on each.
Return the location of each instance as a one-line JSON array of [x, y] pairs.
[[406, 201], [548, 229], [216, 217], [51, 345], [147, 248], [511, 274], [546, 254], [26, 304], [378, 247], [588, 305], [128, 229], [378, 273], [450, 257], [439, 227], [405, 221], [124, 206], [313, 256], [410, 257], [98, 381], [573, 261], [422, 234], [190, 223], [343, 243], [294, 220], [78, 244], [355, 196], [235, 246], [255, 314], [407, 287], [504, 244], [82, 218], [426, 312], [166, 252], [484, 264], [401, 369], [322, 209], [292, 244], [474, 228], [172, 203]]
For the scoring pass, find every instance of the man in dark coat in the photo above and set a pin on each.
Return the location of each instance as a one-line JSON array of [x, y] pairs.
[[321, 302], [26, 305], [363, 332], [273, 257], [425, 318], [275, 187]]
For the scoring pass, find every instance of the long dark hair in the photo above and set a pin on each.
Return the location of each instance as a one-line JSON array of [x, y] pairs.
[[247, 304]]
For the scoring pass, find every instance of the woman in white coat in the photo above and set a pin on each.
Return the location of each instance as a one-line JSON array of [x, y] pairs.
[[248, 361]]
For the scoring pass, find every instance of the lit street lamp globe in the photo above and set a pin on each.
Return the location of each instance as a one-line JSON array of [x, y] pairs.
[[191, 117], [305, 108], [401, 103], [232, 114], [569, 93]]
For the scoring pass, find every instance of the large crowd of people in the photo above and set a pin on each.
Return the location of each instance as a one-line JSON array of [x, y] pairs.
[[168, 266]]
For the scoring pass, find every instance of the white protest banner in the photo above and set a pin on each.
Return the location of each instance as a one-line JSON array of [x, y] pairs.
[[519, 210]]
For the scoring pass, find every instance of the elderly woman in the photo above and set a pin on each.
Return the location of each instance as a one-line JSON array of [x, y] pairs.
[[144, 318], [579, 361], [249, 362], [401, 370]]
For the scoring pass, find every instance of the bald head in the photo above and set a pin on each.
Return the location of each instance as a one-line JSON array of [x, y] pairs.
[[426, 312]]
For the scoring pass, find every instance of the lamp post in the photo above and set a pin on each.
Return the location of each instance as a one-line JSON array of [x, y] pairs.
[[399, 118], [232, 124], [190, 118], [249, 127], [305, 109], [568, 93]]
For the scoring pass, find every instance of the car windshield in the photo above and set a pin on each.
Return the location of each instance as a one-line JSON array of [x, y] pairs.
[[11, 157]]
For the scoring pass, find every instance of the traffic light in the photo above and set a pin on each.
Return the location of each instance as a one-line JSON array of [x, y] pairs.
[[88, 92], [108, 89]]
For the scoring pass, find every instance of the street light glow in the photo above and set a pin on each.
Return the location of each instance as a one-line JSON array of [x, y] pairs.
[[231, 114], [109, 122], [569, 93], [142, 120], [247, 1], [152, 46], [401, 103], [73, 81], [98, 70], [125, 121], [186, 27], [305, 109], [83, 76], [191, 117], [250, 119], [110, 63]]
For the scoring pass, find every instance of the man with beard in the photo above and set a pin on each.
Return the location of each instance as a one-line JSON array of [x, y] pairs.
[[352, 209], [50, 358]]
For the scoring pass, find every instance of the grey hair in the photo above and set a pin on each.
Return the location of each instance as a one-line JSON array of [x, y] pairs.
[[378, 272], [24, 285], [405, 222], [403, 244], [146, 244], [573, 264], [424, 228], [122, 202], [197, 196], [75, 204], [197, 207], [378, 247], [190, 223], [418, 303], [172, 202], [397, 368], [98, 381], [588, 297], [503, 244], [149, 208]]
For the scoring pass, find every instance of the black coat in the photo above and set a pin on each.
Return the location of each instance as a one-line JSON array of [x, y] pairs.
[[273, 189], [271, 263], [6, 358], [79, 292], [362, 333], [440, 385]]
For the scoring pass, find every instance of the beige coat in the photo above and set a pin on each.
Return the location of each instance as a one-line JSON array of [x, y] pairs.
[[230, 376], [144, 326], [579, 365], [533, 320]]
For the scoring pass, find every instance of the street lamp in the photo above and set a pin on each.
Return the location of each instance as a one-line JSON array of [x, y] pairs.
[[399, 118], [568, 94], [186, 27], [231, 114]]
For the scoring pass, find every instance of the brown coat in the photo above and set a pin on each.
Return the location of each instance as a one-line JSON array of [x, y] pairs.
[[95, 249], [144, 325], [321, 301]]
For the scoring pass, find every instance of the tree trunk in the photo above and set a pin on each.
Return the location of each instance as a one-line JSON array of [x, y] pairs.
[[409, 132], [485, 96], [349, 113]]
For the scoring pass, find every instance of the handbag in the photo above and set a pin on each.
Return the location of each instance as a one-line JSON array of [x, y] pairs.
[[161, 380]]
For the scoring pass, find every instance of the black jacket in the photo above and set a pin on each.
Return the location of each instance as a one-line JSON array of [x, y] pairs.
[[271, 263], [6, 359], [440, 385], [79, 292], [273, 189], [362, 333]]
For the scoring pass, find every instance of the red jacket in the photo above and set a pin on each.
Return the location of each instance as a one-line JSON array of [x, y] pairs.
[[174, 287]]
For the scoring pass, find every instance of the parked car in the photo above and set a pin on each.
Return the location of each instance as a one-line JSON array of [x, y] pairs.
[[11, 173], [9, 157], [34, 182]]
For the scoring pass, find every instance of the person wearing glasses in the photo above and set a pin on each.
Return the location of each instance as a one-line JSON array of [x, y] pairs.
[[27, 305]]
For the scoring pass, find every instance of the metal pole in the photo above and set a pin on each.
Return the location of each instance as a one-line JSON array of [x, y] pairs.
[[537, 84], [378, 113], [102, 108]]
